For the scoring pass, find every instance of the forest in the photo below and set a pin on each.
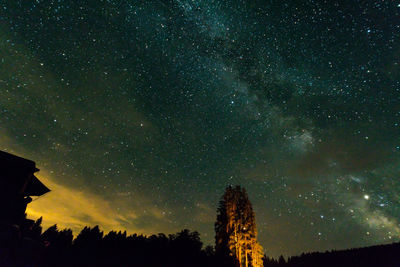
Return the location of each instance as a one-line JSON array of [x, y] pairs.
[[23, 243], [92, 247]]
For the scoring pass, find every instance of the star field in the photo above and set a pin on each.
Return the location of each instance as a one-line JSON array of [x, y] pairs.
[[140, 113]]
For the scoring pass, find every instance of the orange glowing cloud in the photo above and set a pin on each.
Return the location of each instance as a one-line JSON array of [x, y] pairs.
[[72, 208]]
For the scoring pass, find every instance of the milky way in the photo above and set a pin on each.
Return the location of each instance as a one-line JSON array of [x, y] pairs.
[[140, 113]]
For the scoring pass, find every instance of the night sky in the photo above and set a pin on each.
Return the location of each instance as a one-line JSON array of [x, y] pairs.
[[139, 114]]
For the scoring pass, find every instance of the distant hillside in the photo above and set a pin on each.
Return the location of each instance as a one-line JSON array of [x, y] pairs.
[[380, 256]]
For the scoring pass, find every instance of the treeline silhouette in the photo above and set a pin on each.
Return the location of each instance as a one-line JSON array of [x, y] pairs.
[[92, 247], [23, 243], [379, 256]]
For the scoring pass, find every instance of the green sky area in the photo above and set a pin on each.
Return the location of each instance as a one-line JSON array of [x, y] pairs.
[[140, 113]]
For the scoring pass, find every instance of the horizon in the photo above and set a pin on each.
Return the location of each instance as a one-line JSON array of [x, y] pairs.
[[139, 114]]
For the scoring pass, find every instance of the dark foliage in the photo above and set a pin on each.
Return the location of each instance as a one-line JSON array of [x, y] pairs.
[[92, 247], [382, 256]]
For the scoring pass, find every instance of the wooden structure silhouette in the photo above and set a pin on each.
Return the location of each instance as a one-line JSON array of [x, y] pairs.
[[18, 245], [17, 184]]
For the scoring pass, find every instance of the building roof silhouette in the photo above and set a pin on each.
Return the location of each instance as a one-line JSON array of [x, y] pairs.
[[17, 173]]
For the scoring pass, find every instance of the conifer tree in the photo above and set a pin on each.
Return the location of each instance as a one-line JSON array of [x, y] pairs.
[[235, 228]]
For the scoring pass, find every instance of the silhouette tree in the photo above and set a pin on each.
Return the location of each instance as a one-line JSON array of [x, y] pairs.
[[88, 244], [58, 246], [235, 228], [36, 230], [281, 260], [270, 262], [92, 248]]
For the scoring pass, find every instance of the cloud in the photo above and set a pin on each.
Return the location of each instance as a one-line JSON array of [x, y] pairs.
[[73, 208], [379, 221], [384, 225]]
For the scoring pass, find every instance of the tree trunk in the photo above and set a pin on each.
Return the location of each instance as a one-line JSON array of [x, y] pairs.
[[247, 263]]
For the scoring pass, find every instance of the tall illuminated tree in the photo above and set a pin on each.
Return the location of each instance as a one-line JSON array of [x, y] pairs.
[[235, 228]]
